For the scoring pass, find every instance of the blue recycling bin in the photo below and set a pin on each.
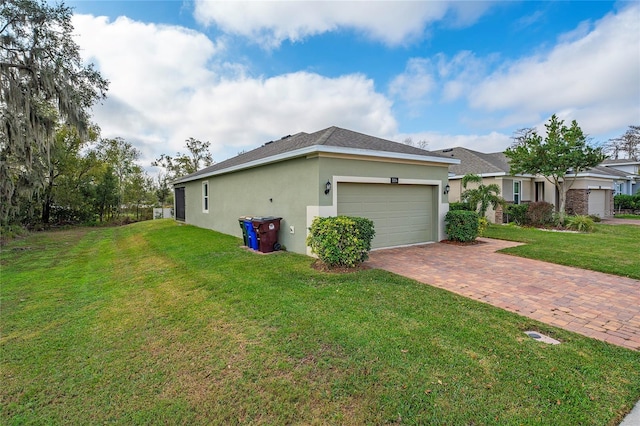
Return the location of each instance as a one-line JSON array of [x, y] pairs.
[[251, 235]]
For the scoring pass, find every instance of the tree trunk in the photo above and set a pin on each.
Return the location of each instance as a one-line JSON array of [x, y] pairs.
[[563, 202], [46, 203]]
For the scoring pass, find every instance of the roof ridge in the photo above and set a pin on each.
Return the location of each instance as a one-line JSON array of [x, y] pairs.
[[325, 135]]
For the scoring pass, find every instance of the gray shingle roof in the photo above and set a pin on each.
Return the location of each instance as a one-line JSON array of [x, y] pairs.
[[476, 162], [497, 163], [332, 136], [620, 161]]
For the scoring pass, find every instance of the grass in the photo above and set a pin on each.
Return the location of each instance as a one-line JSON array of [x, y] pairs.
[[612, 249], [628, 216], [160, 323]]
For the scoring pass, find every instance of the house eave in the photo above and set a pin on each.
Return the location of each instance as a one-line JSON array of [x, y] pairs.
[[320, 149]]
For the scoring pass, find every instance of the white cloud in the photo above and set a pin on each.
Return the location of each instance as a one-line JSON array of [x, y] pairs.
[[415, 83], [593, 73], [169, 83], [271, 22]]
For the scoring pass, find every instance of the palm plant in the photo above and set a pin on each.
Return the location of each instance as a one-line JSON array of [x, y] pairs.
[[483, 196]]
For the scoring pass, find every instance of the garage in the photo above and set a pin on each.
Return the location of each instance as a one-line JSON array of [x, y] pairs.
[[402, 214], [597, 202]]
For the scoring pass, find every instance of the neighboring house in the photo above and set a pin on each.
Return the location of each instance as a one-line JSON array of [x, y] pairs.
[[591, 193], [327, 173], [631, 169]]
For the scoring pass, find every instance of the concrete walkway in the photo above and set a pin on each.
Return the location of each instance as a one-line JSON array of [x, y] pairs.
[[594, 304]]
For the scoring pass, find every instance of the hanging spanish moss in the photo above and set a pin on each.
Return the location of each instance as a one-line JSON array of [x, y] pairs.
[[43, 84]]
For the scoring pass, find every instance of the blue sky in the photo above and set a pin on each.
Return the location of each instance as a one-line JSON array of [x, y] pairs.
[[452, 73]]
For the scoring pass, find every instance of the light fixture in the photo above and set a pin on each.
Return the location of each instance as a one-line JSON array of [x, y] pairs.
[[446, 189], [327, 187], [588, 191]]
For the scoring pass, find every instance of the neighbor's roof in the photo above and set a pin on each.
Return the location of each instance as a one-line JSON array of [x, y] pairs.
[[620, 162], [476, 162], [331, 140], [497, 164]]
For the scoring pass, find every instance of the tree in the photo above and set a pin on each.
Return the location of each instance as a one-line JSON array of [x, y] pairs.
[[138, 189], [422, 144], [628, 144], [559, 157], [483, 196], [43, 81], [162, 190], [107, 199], [65, 164], [121, 156], [198, 156]]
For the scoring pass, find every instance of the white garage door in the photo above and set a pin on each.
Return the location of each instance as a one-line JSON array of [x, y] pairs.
[[597, 203], [402, 214]]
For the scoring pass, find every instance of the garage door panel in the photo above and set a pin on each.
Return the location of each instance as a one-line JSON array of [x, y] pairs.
[[402, 214]]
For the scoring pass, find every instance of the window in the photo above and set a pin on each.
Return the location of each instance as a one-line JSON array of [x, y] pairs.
[[205, 197], [516, 191], [618, 188], [539, 191]]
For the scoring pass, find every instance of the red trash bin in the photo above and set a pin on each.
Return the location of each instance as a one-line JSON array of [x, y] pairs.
[[267, 229]]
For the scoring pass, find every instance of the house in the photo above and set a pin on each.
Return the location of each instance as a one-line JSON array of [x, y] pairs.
[[591, 193], [327, 173], [631, 169]]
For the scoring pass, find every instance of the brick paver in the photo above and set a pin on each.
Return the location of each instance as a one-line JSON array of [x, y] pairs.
[[594, 304]]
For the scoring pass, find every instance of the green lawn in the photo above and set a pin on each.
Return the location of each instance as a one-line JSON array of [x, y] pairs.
[[613, 249], [160, 323], [628, 216]]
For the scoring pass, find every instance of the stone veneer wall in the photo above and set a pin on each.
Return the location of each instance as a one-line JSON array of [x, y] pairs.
[[577, 201], [499, 216]]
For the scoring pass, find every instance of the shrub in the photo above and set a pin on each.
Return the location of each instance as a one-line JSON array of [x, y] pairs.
[[341, 241], [539, 213], [517, 213], [461, 225], [581, 223], [627, 202], [461, 206], [483, 224], [595, 218]]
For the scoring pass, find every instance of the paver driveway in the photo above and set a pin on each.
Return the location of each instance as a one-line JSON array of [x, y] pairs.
[[594, 304]]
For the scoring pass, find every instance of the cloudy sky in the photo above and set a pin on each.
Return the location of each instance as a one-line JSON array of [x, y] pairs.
[[453, 73]]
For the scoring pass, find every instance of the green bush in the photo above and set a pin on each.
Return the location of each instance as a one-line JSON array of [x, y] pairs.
[[581, 223], [461, 206], [539, 213], [517, 213], [461, 225], [341, 241], [627, 202]]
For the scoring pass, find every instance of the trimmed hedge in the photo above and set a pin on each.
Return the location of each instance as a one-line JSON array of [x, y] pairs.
[[461, 206], [461, 225], [341, 241], [626, 202]]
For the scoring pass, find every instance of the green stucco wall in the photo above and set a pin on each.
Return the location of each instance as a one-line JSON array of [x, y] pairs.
[[282, 189], [286, 189]]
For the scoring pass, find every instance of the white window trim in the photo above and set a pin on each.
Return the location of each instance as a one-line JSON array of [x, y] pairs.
[[206, 196], [519, 182]]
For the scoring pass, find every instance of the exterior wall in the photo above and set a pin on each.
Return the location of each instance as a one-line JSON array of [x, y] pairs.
[[577, 201], [363, 170], [282, 189], [294, 190]]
